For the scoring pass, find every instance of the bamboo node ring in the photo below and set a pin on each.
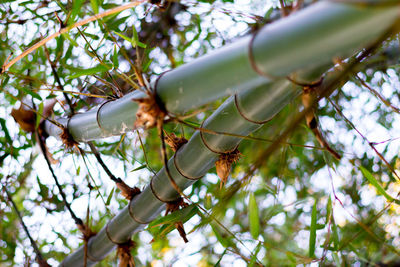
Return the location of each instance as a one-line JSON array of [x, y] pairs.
[[244, 116], [98, 112]]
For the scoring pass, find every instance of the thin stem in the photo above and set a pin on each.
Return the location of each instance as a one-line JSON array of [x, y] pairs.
[[365, 139], [40, 259], [117, 89], [64, 197], [58, 80], [102, 164]]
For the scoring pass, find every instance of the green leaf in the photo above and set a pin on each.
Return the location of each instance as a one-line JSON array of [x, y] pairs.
[[223, 240], [4, 81], [76, 8], [78, 170], [147, 65], [313, 231], [139, 168], [377, 186], [72, 41], [254, 217], [135, 39], [38, 117], [167, 223], [126, 38], [110, 197], [95, 6], [115, 58], [61, 5], [336, 259], [179, 215], [253, 258], [6, 133], [90, 71], [30, 92], [335, 234], [329, 210], [208, 202]]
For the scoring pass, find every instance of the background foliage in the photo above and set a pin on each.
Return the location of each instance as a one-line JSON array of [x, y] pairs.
[[302, 206]]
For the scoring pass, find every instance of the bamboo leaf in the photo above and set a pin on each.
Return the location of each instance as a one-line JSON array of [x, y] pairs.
[[110, 196], [313, 231], [135, 39], [5, 130], [335, 235], [91, 71], [179, 215], [208, 202], [336, 258], [72, 41], [218, 234], [30, 92], [376, 184], [115, 58], [253, 258], [76, 7], [168, 222], [139, 168], [218, 263], [126, 38], [254, 217], [95, 6], [147, 65], [40, 111], [329, 210]]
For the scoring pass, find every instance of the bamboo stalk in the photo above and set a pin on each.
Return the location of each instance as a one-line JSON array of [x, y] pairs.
[[307, 39]]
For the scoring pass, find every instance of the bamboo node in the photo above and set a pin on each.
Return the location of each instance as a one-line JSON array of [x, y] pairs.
[[150, 112], [124, 254], [174, 142], [224, 163], [126, 191], [174, 206], [67, 138], [87, 233]]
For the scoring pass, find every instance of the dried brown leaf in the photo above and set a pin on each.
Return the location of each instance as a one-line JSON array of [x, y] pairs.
[[174, 142], [25, 118], [224, 163], [150, 113], [126, 191], [124, 254]]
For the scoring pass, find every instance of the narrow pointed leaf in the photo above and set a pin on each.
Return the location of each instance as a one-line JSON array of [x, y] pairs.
[[30, 92], [139, 168], [179, 215], [126, 38], [40, 111], [5, 130], [115, 58], [95, 6], [313, 231], [335, 234], [90, 71], [110, 197], [254, 217], [376, 184], [253, 258]]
